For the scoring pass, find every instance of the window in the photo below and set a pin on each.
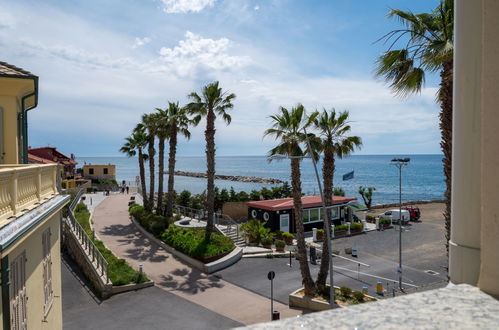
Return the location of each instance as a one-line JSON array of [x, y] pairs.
[[105, 170], [91, 171], [18, 298], [47, 271]]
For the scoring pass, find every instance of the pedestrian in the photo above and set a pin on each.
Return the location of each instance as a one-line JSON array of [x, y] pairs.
[[123, 189], [127, 189]]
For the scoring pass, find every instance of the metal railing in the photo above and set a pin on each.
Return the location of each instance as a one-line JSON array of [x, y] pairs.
[[226, 221], [189, 212], [97, 259]]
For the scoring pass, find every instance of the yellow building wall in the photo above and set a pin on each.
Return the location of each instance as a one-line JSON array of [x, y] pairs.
[[32, 245], [99, 170], [11, 92]]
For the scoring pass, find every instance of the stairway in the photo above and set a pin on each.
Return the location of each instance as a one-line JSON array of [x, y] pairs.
[[231, 232]]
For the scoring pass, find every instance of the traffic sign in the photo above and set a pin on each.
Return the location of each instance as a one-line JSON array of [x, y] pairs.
[[271, 275]]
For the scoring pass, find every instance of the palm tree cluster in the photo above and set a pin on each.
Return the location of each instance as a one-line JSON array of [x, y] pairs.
[[167, 124], [330, 138]]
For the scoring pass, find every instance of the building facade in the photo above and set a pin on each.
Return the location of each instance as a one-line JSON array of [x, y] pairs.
[[30, 215], [278, 213], [99, 172]]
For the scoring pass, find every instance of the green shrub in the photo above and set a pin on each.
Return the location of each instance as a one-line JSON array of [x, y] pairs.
[[278, 234], [320, 232], [384, 221], [195, 243], [266, 241], [280, 244], [340, 228], [356, 226], [357, 295], [345, 291], [370, 218], [254, 231], [107, 181]]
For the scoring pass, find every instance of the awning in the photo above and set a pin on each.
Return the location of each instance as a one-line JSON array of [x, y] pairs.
[[356, 207]]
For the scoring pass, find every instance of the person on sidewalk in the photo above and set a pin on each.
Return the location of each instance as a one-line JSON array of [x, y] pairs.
[[127, 189]]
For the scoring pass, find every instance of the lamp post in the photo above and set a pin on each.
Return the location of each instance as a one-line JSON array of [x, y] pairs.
[[400, 163], [327, 230]]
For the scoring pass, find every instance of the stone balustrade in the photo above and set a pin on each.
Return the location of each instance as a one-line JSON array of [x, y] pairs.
[[22, 187]]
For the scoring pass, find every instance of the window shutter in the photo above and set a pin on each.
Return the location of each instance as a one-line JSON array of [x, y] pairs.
[[18, 299]]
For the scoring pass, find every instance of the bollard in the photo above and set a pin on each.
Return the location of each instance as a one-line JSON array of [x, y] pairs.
[[275, 315], [379, 288], [377, 224], [348, 233], [332, 231], [314, 234], [313, 255]]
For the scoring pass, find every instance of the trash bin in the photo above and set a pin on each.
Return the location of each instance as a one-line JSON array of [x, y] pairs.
[[275, 315]]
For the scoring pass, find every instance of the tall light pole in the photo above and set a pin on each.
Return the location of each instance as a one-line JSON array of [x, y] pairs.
[[327, 229], [400, 163]]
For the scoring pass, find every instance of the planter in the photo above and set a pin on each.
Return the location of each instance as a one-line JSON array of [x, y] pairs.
[[297, 299], [355, 231], [320, 238], [289, 241], [267, 246], [340, 233], [279, 249]]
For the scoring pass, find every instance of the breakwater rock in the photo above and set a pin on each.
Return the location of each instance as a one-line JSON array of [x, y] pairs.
[[230, 177]]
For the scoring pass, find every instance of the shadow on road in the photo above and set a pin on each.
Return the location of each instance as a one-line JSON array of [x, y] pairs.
[[192, 281]]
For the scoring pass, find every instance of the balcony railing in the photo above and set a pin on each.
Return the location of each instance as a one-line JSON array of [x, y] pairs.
[[22, 187]]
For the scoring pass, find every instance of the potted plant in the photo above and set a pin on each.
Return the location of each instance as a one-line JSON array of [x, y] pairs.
[[356, 227], [267, 242], [370, 219], [320, 234], [278, 235], [279, 245], [384, 222], [288, 238], [253, 231], [340, 230]]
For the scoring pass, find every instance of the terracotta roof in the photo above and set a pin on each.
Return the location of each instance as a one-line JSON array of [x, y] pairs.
[[287, 203], [51, 153], [32, 159], [7, 69]]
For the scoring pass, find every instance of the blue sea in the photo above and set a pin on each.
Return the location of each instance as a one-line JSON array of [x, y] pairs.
[[422, 179]]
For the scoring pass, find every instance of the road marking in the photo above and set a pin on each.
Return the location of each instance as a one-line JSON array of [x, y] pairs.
[[382, 278]]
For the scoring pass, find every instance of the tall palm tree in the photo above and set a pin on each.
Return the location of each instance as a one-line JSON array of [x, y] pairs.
[[286, 128], [162, 134], [427, 46], [176, 121], [333, 129], [211, 103], [135, 144], [149, 124]]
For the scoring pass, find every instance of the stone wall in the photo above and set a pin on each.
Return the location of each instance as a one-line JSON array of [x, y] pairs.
[[382, 206], [235, 209]]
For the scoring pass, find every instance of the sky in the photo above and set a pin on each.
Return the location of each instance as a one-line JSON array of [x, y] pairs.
[[102, 64]]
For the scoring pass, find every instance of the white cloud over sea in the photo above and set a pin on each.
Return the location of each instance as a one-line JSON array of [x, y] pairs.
[[97, 78]]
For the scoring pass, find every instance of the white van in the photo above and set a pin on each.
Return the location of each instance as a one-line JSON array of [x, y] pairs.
[[394, 215]]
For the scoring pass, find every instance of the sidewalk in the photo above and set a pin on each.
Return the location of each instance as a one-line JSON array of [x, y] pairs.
[[114, 228]]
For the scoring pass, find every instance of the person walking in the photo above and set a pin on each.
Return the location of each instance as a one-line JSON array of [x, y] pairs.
[[122, 189], [127, 189]]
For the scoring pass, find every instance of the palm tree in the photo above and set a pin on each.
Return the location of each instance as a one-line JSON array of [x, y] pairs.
[[149, 124], [427, 46], [333, 130], [210, 104], [286, 128], [135, 144], [176, 120], [162, 135]]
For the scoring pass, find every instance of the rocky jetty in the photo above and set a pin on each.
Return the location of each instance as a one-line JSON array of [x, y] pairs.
[[230, 177]]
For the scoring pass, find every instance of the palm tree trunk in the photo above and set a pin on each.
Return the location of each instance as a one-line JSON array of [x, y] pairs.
[[142, 177], [171, 172], [308, 282], [161, 168], [445, 98], [327, 174], [151, 173], [210, 159]]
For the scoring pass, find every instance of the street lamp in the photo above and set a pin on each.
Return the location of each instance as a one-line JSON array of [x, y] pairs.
[[400, 163], [327, 230]]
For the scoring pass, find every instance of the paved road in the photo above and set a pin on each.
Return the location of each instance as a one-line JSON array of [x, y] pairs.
[[150, 308], [423, 249], [119, 234]]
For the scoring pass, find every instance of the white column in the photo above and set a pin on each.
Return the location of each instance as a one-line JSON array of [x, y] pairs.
[[489, 270], [464, 254]]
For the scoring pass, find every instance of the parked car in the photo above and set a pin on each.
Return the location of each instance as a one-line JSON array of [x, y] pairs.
[[394, 215], [414, 212]]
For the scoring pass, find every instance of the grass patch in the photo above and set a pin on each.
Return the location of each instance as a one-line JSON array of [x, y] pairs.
[[120, 272], [195, 243]]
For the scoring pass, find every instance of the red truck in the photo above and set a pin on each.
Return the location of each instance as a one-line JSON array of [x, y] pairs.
[[414, 212]]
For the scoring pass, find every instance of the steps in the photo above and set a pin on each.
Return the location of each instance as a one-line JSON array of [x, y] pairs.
[[232, 234]]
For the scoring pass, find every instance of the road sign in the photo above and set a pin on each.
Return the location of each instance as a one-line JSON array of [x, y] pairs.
[[271, 275]]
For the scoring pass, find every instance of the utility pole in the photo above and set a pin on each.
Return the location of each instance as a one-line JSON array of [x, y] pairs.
[[400, 163], [327, 229]]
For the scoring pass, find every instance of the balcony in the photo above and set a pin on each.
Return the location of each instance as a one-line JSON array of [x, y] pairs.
[[23, 187]]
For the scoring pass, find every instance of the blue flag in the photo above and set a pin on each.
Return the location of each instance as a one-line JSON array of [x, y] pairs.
[[348, 176]]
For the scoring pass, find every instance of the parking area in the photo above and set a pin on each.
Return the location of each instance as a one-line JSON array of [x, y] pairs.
[[423, 246]]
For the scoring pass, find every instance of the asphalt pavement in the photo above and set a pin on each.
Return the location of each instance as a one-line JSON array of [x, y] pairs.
[[149, 308]]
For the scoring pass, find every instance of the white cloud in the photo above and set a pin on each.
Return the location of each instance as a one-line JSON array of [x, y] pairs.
[[185, 6], [196, 53], [256, 7], [141, 42]]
